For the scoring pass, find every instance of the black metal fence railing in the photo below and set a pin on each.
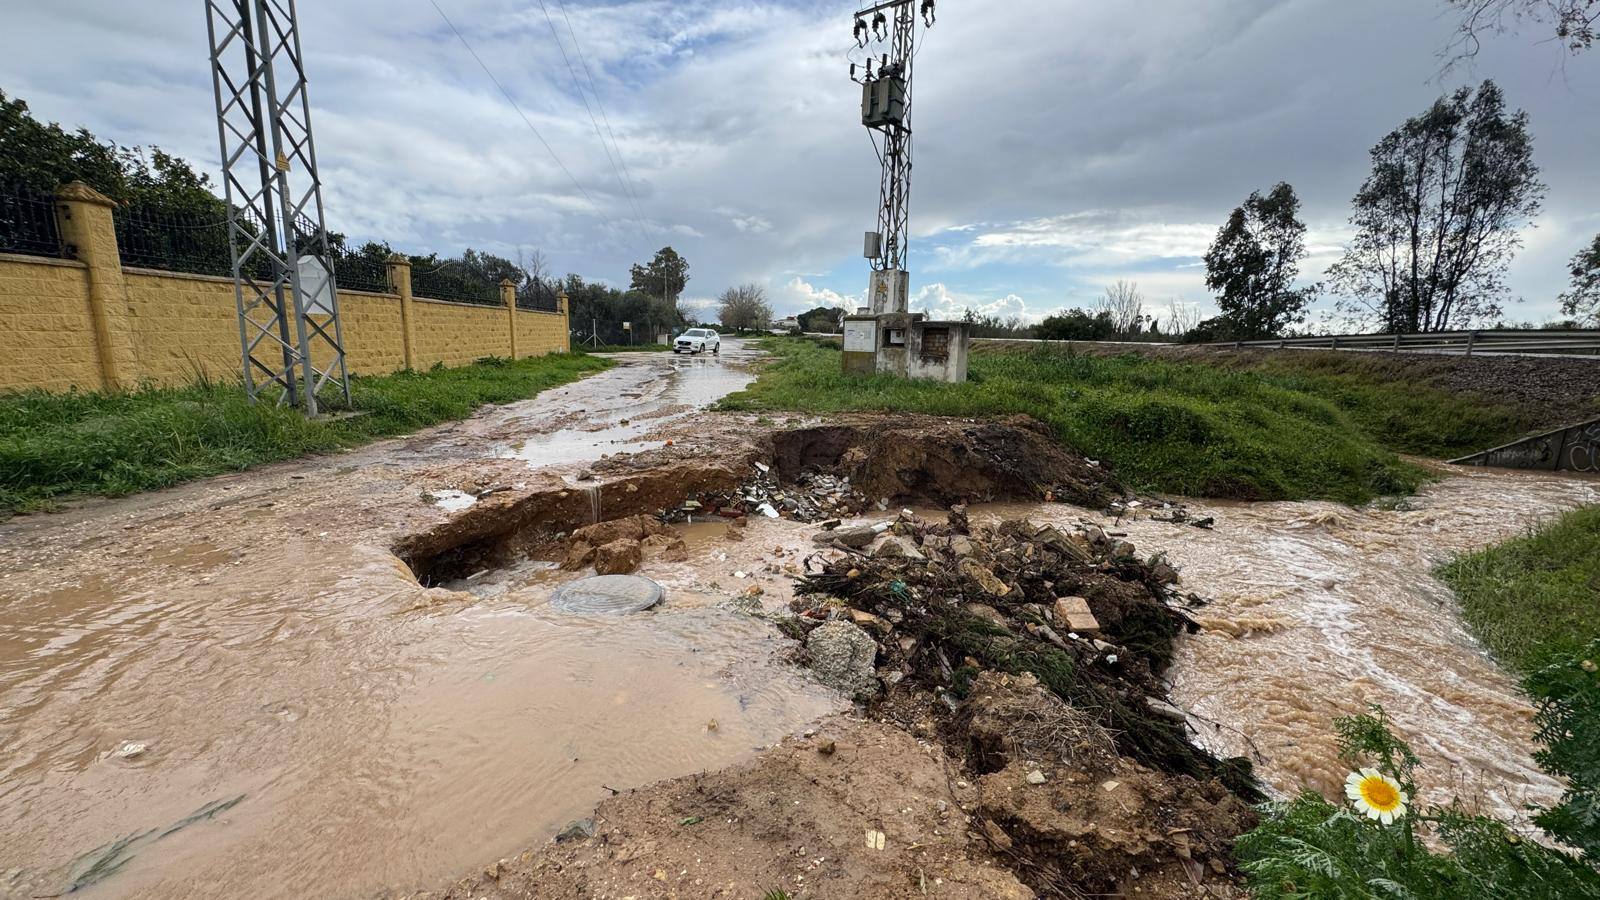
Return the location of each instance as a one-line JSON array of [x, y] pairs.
[[157, 239], [443, 284], [361, 273], [537, 295], [28, 222]]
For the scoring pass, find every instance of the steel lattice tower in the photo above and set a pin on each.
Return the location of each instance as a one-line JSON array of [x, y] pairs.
[[891, 28], [289, 331]]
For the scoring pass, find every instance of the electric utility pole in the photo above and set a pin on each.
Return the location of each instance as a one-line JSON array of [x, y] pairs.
[[289, 332], [888, 32]]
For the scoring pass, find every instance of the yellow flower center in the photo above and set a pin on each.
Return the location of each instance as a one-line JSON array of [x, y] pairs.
[[1379, 794]]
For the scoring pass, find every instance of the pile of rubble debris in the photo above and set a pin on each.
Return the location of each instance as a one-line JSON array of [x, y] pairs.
[[1036, 654], [813, 496], [1079, 609]]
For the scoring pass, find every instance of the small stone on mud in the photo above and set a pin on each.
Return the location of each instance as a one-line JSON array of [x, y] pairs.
[[1036, 777], [826, 748], [576, 831]]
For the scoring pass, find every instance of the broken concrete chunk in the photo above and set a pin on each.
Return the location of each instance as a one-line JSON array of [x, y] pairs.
[[855, 536], [1073, 613], [843, 657], [869, 621], [896, 547], [984, 577]]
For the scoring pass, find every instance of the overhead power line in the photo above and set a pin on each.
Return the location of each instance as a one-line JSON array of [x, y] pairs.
[[578, 86], [514, 105], [583, 59]]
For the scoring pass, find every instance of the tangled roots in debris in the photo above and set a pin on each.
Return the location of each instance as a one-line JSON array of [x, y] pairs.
[[1013, 718]]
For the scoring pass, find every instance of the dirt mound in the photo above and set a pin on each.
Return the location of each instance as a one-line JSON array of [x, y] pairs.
[[945, 461], [876, 816], [1121, 832]]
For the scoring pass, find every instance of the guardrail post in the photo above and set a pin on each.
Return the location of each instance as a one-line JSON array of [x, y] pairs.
[[1333, 342], [1472, 338], [508, 296], [84, 217], [400, 280]]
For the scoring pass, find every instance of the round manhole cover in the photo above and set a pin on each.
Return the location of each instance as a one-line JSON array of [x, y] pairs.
[[605, 595]]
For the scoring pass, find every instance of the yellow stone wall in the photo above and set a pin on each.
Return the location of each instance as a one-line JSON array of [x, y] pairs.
[[46, 337], [542, 329], [457, 333], [184, 324]]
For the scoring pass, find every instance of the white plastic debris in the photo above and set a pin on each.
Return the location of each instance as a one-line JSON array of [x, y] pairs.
[[766, 509]]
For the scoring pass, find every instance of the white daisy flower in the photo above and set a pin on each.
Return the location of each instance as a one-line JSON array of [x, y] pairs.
[[1376, 795]]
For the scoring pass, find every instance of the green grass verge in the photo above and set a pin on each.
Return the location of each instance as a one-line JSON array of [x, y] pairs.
[[58, 445], [1536, 596], [1405, 416], [1162, 425]]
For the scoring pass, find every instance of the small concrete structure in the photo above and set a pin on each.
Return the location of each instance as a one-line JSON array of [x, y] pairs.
[[887, 339]]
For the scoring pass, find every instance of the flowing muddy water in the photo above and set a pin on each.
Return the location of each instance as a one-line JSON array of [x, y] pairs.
[[1321, 609], [234, 689]]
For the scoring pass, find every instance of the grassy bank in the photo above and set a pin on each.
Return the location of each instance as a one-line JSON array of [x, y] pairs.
[[1534, 596], [58, 445], [1399, 405], [1162, 425]]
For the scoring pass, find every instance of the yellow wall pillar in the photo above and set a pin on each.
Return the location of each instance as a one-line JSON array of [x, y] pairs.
[[84, 215], [508, 296], [400, 283], [566, 320]]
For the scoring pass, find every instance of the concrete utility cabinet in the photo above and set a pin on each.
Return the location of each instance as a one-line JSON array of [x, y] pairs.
[[906, 344]]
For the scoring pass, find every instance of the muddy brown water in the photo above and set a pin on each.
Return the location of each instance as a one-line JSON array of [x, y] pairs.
[[314, 723], [1320, 610]]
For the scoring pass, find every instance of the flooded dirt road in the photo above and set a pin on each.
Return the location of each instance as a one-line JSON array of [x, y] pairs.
[[233, 688]]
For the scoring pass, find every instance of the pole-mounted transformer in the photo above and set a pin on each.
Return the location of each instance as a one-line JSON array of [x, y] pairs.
[[890, 29]]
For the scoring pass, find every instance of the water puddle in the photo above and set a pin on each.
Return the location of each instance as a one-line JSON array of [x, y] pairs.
[[619, 422]]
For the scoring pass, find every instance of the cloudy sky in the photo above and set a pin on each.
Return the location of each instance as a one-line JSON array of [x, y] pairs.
[[1061, 144]]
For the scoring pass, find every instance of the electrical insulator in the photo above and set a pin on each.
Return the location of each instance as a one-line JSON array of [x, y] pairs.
[[869, 68], [852, 71], [928, 16], [860, 33]]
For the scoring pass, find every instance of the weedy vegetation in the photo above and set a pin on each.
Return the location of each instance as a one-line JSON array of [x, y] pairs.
[[1535, 596], [1162, 425], [112, 443]]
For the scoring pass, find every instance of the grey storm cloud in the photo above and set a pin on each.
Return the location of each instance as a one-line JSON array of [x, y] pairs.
[[1060, 143]]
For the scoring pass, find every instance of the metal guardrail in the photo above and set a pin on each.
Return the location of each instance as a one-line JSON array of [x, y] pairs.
[[1462, 343]]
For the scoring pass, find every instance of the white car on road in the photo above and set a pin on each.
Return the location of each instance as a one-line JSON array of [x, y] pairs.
[[697, 340]]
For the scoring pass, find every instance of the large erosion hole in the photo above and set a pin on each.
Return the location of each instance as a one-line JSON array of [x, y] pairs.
[[901, 459]]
